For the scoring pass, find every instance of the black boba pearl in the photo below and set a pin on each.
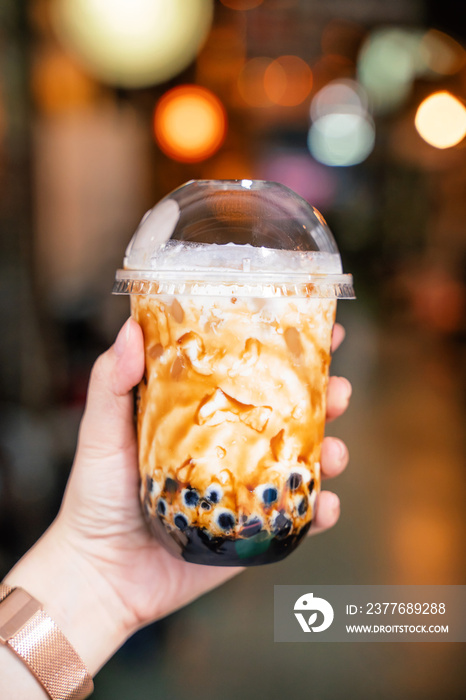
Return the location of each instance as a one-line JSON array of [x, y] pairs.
[[303, 506], [226, 521], [161, 507], [295, 480], [205, 505], [282, 526], [311, 485], [191, 498], [181, 521], [214, 494], [149, 483], [170, 485], [269, 495]]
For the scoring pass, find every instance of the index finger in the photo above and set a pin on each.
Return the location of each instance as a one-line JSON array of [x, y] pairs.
[[338, 336]]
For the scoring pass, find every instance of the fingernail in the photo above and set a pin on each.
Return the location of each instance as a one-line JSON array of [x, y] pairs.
[[122, 339], [348, 389], [340, 450], [335, 504]]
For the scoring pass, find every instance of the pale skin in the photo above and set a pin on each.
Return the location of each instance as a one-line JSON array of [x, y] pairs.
[[97, 571]]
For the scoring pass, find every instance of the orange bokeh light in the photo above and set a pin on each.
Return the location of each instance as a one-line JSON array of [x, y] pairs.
[[58, 84], [189, 123], [251, 82], [288, 81], [445, 56]]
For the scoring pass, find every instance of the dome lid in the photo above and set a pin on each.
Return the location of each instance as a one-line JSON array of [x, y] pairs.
[[233, 237]]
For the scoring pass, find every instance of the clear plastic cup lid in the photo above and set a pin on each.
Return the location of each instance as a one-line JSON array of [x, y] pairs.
[[233, 238]]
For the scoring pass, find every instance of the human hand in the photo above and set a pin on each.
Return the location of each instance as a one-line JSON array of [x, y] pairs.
[[124, 578]]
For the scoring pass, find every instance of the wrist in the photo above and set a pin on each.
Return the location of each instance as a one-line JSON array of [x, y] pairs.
[[71, 591]]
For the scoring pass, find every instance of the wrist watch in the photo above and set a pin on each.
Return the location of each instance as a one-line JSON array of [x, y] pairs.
[[27, 629]]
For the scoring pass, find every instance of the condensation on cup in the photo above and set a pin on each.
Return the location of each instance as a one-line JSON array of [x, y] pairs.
[[235, 285]]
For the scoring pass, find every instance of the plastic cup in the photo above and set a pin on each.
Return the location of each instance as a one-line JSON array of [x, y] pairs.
[[235, 285]]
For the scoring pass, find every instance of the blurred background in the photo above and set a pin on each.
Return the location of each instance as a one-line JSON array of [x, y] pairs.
[[359, 106]]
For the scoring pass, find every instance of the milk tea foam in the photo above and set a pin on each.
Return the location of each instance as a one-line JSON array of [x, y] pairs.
[[231, 412]]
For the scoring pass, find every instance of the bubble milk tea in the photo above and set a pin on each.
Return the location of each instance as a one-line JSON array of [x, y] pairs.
[[231, 408]]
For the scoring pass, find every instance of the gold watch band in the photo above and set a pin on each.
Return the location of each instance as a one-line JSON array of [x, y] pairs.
[[36, 639]]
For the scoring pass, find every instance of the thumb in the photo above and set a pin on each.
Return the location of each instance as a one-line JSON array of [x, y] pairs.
[[107, 426]]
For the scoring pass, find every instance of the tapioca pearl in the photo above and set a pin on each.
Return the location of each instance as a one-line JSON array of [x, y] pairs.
[[214, 493], [152, 486], [181, 521], [269, 496], [303, 506], [162, 506], [225, 519], [267, 493], [294, 482], [205, 505], [170, 485], [282, 525], [190, 497]]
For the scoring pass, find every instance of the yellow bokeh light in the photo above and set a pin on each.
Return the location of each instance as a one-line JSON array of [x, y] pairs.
[[189, 123], [288, 81], [441, 120], [133, 43]]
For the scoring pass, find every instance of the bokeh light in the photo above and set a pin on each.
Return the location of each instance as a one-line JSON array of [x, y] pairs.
[[341, 139], [298, 171], [441, 120], [189, 123], [288, 81], [339, 96], [443, 55], [133, 43], [58, 84], [241, 4], [251, 84], [342, 132], [388, 63]]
